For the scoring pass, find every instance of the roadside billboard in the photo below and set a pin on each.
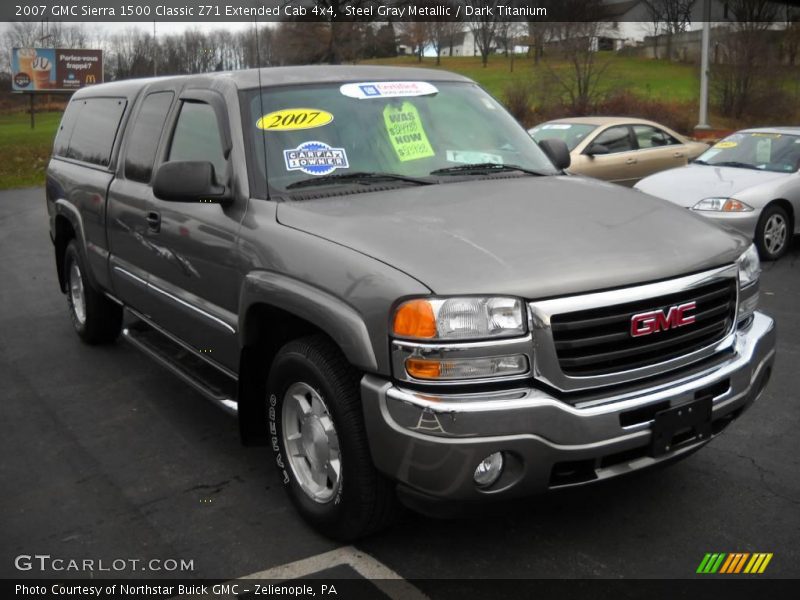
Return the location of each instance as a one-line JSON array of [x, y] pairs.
[[55, 69]]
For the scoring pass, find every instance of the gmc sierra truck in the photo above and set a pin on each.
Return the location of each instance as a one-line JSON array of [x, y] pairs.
[[395, 288]]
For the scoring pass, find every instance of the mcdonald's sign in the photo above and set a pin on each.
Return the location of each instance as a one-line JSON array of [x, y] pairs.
[[55, 69]]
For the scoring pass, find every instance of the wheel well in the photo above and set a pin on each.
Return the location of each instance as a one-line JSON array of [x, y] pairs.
[[265, 331], [787, 206], [64, 233]]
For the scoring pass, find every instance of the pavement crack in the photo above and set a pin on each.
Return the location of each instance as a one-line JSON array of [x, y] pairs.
[[762, 472]]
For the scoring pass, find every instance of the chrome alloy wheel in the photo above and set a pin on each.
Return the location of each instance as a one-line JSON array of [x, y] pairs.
[[311, 442], [775, 233], [76, 294]]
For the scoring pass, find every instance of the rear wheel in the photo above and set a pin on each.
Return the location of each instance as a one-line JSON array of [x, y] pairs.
[[773, 232], [320, 444], [96, 319]]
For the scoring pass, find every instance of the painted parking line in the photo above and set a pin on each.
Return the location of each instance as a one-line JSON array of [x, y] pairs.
[[381, 576]]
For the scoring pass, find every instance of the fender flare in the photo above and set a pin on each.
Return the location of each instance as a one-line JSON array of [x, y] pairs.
[[330, 314], [63, 208]]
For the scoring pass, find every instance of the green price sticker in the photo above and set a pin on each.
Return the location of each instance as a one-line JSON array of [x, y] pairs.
[[404, 127]]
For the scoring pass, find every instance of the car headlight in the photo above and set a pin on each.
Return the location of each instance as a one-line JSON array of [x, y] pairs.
[[749, 267], [722, 205], [461, 318], [749, 271]]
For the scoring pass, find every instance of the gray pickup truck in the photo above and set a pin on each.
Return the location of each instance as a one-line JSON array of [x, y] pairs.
[[395, 288]]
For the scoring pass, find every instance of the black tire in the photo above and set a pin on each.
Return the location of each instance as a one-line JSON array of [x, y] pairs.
[[100, 320], [364, 501], [773, 215]]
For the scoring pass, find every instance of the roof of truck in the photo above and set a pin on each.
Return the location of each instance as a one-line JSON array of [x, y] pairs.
[[274, 76]]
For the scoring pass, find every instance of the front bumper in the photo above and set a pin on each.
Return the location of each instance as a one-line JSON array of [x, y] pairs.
[[432, 442], [742, 222]]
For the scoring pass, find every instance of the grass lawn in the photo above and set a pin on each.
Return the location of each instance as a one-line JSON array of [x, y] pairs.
[[657, 79], [24, 152]]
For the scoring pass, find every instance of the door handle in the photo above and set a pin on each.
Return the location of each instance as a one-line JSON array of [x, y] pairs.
[[631, 161], [154, 221], [678, 155]]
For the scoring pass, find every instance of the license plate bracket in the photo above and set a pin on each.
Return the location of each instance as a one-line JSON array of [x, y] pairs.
[[690, 421]]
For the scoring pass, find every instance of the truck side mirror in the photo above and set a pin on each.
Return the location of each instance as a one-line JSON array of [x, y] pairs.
[[557, 151], [188, 181]]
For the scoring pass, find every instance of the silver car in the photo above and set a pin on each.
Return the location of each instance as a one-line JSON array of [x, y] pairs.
[[748, 181]]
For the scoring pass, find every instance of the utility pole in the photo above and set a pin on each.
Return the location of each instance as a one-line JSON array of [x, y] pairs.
[[706, 44], [155, 52]]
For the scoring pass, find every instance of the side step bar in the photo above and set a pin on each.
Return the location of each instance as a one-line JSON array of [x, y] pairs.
[[210, 382]]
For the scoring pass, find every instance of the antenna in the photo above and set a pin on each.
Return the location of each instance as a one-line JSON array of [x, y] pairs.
[[261, 102]]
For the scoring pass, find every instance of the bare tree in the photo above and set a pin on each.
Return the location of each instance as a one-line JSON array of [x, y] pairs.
[[575, 43], [416, 35], [745, 49], [670, 16], [442, 34], [484, 27]]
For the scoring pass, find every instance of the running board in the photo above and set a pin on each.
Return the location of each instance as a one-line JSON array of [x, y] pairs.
[[210, 382]]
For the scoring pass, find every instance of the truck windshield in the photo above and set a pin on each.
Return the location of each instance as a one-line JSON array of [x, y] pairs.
[[387, 133]]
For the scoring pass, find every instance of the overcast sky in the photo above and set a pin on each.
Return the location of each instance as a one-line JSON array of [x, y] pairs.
[[161, 26]]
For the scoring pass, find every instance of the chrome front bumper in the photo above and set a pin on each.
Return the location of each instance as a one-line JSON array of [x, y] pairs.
[[432, 442]]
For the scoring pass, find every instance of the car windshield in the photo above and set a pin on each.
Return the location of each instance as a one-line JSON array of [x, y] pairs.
[[571, 134], [383, 133], [755, 150]]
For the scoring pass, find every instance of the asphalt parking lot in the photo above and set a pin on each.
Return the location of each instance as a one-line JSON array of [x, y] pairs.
[[106, 455]]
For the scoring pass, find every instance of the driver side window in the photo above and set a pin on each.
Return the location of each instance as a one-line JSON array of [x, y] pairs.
[[616, 139], [197, 137]]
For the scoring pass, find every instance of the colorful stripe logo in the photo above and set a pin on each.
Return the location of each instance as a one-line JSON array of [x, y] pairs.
[[734, 563]]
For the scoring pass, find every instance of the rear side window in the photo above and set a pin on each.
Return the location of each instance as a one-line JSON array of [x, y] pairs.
[[197, 137], [61, 145], [95, 129], [145, 135]]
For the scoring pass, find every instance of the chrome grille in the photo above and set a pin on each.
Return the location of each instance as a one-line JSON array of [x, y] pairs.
[[598, 341]]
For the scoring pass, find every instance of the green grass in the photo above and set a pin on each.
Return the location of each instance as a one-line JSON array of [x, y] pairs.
[[24, 152], [655, 79]]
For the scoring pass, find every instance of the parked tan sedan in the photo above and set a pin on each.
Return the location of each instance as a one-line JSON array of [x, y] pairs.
[[619, 149]]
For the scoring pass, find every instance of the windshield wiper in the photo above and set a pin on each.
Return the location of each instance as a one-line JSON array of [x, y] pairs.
[[357, 177], [736, 164], [482, 168]]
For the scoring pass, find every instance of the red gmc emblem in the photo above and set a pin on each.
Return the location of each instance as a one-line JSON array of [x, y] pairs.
[[659, 320]]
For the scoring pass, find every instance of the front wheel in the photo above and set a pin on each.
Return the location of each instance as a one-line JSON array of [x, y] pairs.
[[773, 232], [320, 444]]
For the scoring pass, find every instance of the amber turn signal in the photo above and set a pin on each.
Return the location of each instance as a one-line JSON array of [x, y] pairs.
[[424, 369], [415, 319]]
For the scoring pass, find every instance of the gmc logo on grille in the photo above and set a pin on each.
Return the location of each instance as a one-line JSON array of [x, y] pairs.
[[659, 320]]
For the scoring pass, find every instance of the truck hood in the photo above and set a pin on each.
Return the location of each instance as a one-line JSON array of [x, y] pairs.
[[532, 237], [686, 186]]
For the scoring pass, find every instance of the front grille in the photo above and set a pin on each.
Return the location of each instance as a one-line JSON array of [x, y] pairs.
[[599, 341]]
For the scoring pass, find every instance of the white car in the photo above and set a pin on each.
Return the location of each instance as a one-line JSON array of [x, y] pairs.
[[748, 181]]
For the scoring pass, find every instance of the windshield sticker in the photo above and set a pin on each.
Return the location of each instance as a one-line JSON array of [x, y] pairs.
[[387, 89], [487, 102], [406, 134], [290, 119], [315, 158], [557, 126], [766, 135], [725, 145], [469, 157]]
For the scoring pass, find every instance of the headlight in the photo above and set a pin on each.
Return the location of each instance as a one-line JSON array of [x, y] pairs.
[[749, 267], [722, 205], [749, 271], [459, 318]]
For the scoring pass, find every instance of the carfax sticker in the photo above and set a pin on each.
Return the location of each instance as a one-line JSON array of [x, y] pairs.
[[315, 158], [290, 119], [469, 157], [406, 133], [387, 89]]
